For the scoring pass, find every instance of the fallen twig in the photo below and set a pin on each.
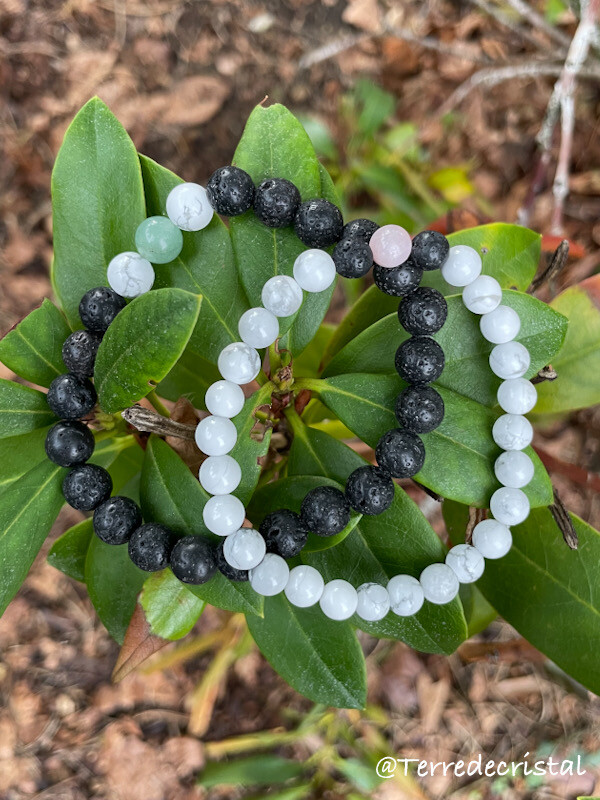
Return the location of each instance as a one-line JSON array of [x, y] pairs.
[[564, 522], [147, 421], [556, 265]]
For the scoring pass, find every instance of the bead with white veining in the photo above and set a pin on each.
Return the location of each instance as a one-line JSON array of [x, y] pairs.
[[491, 538], [239, 363], [406, 595], [517, 396], [129, 274], [440, 584], [514, 468], [509, 506], [220, 474], [188, 207], [270, 577], [512, 432], [373, 602], [466, 562], [282, 295], [339, 600], [244, 549], [462, 266], [510, 360], [305, 586], [483, 295], [224, 398], [500, 325]]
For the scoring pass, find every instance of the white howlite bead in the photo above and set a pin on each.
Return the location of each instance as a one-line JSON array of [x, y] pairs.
[[491, 538], [282, 295], [188, 207], [440, 584], [483, 295], [215, 436], [223, 514], [462, 266], [517, 396], [373, 602], [406, 595], [509, 506], [244, 549], [501, 325], [466, 562], [314, 270], [224, 399], [339, 600], [514, 468], [258, 327], [239, 363], [510, 360], [270, 577], [512, 432], [130, 275], [305, 586], [220, 475]]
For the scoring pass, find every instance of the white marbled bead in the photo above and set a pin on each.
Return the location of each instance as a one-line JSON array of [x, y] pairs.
[[223, 514], [314, 270], [244, 549], [509, 506], [258, 327], [512, 432], [466, 562], [130, 275], [239, 363], [500, 325], [220, 475], [483, 295], [270, 577], [462, 266], [224, 399], [282, 295], [305, 586], [517, 396], [491, 538], [514, 468], [406, 595], [215, 436], [373, 602], [510, 360], [440, 584], [339, 600], [188, 207]]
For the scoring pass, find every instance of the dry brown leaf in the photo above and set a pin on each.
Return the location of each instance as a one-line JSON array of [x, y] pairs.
[[363, 14], [139, 644]]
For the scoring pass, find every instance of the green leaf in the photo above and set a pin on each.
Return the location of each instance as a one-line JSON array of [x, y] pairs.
[[18, 454], [33, 348], [142, 345], [97, 203], [309, 363], [27, 513], [69, 551], [320, 658], [190, 377], [259, 770], [170, 608], [205, 266], [22, 409], [252, 443]]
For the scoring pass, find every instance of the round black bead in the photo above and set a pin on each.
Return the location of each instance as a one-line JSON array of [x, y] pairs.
[[116, 519], [193, 560], [420, 409], [361, 229], [319, 223], [86, 486], [401, 453], [79, 351], [370, 490], [430, 249], [71, 396], [423, 312], [230, 191], [325, 511], [398, 281], [99, 307], [69, 443], [419, 359], [352, 258], [226, 569], [284, 533], [276, 202], [150, 546]]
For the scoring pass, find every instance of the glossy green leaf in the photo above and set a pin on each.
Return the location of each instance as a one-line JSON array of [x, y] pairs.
[[257, 770], [308, 364], [170, 608], [22, 409], [69, 551], [142, 345], [32, 349], [27, 513], [18, 454], [190, 377], [97, 203]]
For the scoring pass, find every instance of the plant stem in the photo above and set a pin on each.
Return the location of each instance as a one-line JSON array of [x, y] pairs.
[[155, 401], [313, 384]]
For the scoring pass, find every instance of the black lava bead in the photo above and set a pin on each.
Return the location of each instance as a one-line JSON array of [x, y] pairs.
[[423, 312], [116, 519], [71, 396], [370, 490], [276, 202], [284, 533], [69, 443], [226, 569], [325, 511], [99, 307], [419, 360], [193, 560], [230, 191], [401, 453], [86, 486], [399, 281], [79, 351], [420, 409], [319, 223], [150, 546], [361, 229], [430, 249], [352, 258]]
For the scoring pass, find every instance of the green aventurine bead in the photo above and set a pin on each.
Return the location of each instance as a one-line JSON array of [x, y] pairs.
[[158, 240]]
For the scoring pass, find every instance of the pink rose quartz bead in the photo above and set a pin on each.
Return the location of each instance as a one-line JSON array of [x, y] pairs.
[[391, 246]]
